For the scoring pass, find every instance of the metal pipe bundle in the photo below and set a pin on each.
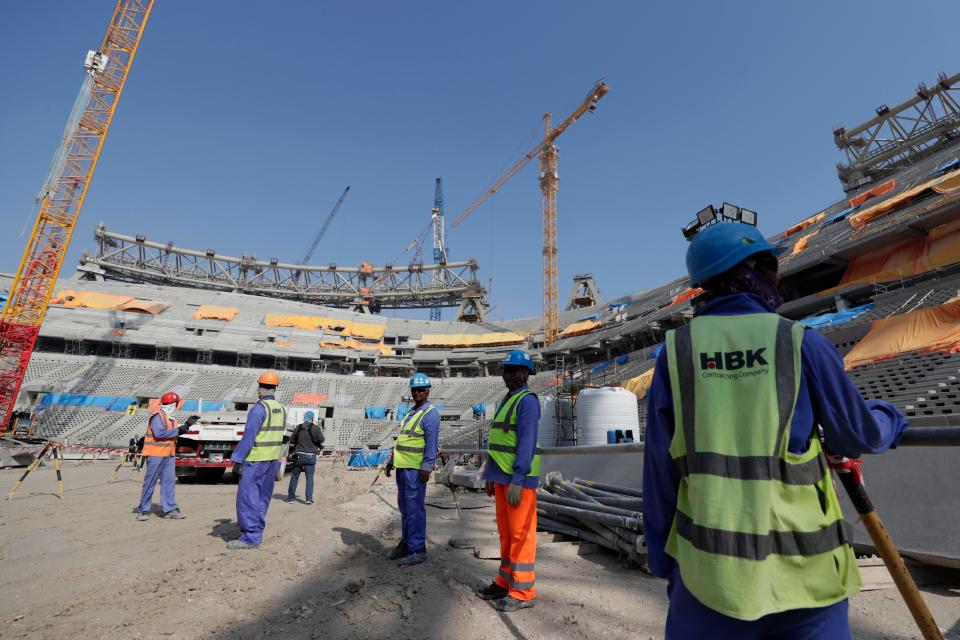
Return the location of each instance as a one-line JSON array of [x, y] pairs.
[[580, 511]]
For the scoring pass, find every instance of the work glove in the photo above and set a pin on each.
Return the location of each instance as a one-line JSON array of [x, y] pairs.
[[513, 495], [488, 488], [424, 476], [388, 469]]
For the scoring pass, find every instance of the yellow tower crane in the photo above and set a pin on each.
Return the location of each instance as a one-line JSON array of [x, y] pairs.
[[547, 151], [62, 194]]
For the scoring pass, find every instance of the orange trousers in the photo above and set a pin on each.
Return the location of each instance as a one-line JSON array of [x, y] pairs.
[[518, 542]]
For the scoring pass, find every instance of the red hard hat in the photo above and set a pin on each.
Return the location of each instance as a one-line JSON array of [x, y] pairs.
[[169, 398]]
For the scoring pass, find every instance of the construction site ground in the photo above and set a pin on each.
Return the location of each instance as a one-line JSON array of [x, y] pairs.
[[83, 567]]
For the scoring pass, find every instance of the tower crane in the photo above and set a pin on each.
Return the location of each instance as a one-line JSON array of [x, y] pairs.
[[547, 151], [326, 225], [439, 235], [63, 192]]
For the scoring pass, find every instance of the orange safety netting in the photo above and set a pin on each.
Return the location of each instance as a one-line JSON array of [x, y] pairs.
[[451, 340], [910, 257], [213, 312], [579, 328], [686, 295], [878, 190], [639, 385], [340, 327], [803, 242], [800, 226], [930, 329], [309, 398], [860, 219]]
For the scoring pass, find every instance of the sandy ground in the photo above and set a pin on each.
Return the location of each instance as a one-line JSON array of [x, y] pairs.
[[82, 567]]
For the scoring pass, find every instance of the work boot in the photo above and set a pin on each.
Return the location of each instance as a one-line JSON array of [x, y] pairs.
[[492, 591], [309, 502], [413, 559], [289, 499], [143, 516], [510, 604], [240, 544], [399, 551], [174, 515]]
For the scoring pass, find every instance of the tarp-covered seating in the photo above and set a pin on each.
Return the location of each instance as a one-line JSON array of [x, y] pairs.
[[930, 329], [213, 312], [455, 340], [93, 300], [639, 385], [580, 328]]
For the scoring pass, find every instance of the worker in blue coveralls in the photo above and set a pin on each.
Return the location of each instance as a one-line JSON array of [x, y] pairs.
[[413, 456], [739, 509], [160, 452], [258, 455]]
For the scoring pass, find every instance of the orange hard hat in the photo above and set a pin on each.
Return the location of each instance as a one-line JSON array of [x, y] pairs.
[[269, 379], [169, 398]]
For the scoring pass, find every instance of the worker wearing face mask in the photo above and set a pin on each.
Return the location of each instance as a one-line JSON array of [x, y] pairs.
[[159, 450]]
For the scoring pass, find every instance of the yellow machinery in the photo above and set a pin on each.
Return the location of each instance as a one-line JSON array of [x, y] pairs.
[[62, 194], [548, 189]]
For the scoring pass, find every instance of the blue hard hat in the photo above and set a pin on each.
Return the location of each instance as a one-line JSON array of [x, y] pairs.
[[722, 246], [520, 358], [308, 415], [420, 380]]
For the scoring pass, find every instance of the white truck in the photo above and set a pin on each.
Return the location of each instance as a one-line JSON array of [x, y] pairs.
[[203, 452]]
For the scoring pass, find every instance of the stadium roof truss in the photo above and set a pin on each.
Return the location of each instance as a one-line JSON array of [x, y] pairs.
[[136, 259], [899, 136]]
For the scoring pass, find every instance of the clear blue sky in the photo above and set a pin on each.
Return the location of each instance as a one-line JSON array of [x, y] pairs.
[[243, 121]]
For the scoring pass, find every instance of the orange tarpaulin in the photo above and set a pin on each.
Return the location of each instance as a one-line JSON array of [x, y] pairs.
[[579, 328], [152, 307], [639, 385], [949, 183], [860, 219], [451, 340], [686, 295], [800, 226], [93, 300], [340, 327], [930, 329], [90, 299], [309, 398], [910, 257], [803, 242], [213, 312], [878, 190]]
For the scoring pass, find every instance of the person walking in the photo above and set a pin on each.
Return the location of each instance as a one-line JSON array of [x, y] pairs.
[[258, 455], [132, 449], [511, 474], [159, 450], [413, 456], [307, 441], [739, 508]]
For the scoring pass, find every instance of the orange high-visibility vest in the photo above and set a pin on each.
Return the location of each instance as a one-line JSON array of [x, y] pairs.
[[156, 447]]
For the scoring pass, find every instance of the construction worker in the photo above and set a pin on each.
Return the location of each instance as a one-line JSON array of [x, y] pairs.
[[258, 453], [739, 509], [160, 450], [307, 439], [511, 473], [413, 456]]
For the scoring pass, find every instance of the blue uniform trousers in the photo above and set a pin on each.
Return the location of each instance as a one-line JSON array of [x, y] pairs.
[[253, 498], [689, 618], [411, 494], [306, 463], [164, 470]]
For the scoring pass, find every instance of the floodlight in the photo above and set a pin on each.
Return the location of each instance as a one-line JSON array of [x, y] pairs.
[[706, 215], [729, 211], [748, 217], [690, 230]]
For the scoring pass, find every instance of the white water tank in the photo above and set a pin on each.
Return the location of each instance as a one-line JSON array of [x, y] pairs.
[[547, 433], [605, 408]]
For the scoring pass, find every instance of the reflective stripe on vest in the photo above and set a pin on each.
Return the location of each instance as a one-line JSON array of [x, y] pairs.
[[268, 445], [758, 529], [411, 443], [502, 442], [160, 448]]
